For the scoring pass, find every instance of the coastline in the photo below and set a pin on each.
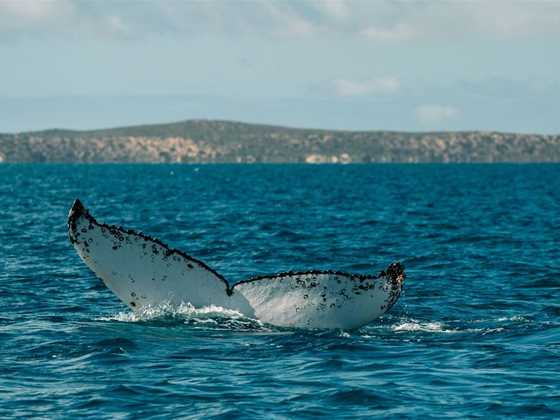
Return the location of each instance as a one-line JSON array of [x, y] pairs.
[[207, 141]]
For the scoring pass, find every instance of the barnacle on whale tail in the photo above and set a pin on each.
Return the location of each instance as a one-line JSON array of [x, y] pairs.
[[143, 272]]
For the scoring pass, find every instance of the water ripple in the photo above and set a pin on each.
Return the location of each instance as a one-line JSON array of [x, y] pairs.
[[476, 333]]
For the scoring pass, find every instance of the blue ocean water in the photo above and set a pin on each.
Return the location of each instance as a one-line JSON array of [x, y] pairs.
[[476, 333]]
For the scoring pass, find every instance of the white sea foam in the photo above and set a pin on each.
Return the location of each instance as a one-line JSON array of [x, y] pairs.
[[516, 318], [491, 330], [414, 325], [411, 325], [205, 315]]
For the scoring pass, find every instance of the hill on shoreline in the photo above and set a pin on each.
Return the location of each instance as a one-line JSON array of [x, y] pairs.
[[213, 141]]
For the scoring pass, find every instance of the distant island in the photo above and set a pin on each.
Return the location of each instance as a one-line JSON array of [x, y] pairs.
[[211, 141]]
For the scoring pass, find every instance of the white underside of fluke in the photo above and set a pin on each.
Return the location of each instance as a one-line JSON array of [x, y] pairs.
[[143, 272]]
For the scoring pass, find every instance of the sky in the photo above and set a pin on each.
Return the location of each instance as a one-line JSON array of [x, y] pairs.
[[338, 64]]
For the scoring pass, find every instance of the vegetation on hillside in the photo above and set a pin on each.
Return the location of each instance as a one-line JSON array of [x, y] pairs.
[[200, 141]]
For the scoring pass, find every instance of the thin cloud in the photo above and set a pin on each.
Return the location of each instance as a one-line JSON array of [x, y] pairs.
[[399, 32], [432, 115], [378, 86], [380, 21], [27, 10], [286, 21], [337, 9]]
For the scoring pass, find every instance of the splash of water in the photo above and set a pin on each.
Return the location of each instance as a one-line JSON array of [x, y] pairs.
[[205, 317]]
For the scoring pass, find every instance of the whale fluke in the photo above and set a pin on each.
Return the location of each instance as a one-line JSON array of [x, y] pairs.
[[144, 272]]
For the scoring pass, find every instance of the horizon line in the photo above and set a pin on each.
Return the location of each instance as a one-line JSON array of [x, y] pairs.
[[272, 126]]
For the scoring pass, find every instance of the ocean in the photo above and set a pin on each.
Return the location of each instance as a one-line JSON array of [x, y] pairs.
[[476, 332]]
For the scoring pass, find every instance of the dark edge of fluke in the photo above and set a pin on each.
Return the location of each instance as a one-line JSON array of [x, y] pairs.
[[394, 271], [78, 210]]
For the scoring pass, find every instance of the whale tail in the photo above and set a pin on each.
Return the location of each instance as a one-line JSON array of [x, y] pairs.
[[143, 271]]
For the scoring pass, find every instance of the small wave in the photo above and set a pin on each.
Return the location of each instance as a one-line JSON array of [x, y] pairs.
[[403, 324], [166, 311], [515, 318], [414, 325], [494, 325], [206, 317]]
